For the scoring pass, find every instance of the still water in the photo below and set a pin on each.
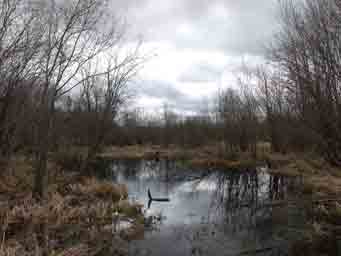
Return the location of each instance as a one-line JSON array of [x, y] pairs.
[[211, 212]]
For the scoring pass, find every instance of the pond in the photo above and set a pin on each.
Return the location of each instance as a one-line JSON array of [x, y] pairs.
[[211, 212]]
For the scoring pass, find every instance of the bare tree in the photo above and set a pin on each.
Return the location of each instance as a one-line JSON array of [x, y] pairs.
[[238, 111], [250, 110], [20, 41], [307, 50], [114, 93], [75, 33], [273, 102], [230, 109]]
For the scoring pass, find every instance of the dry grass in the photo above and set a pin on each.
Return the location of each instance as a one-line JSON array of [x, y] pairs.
[[100, 189], [128, 209], [151, 152], [320, 238], [71, 221], [129, 152], [319, 180], [206, 156], [319, 177], [224, 164]]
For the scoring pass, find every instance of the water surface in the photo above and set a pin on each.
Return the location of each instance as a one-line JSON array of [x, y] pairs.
[[211, 212]]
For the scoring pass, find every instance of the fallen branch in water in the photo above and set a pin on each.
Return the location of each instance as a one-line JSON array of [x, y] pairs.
[[157, 199]]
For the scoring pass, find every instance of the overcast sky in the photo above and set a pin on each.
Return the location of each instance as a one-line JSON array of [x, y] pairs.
[[199, 45]]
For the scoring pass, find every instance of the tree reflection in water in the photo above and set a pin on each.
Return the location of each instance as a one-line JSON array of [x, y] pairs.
[[210, 210], [246, 203]]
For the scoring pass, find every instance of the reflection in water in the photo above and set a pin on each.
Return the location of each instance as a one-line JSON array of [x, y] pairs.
[[210, 212]]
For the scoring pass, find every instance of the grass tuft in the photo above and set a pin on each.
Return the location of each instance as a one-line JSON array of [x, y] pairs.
[[71, 221]]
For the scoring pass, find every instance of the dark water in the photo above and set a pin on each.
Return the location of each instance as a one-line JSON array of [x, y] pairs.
[[211, 212]]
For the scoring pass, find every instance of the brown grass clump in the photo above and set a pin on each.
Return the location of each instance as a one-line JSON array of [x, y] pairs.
[[277, 160], [102, 189], [72, 220], [225, 164], [329, 213], [128, 152], [128, 209], [15, 176], [70, 160], [145, 152]]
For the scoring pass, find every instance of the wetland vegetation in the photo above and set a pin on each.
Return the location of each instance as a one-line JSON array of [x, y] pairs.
[[255, 171]]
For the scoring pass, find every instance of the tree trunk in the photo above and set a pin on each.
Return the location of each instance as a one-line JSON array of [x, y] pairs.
[[94, 147], [41, 175]]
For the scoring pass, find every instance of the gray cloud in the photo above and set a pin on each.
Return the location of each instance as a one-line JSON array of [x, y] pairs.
[[200, 73], [170, 95], [235, 26]]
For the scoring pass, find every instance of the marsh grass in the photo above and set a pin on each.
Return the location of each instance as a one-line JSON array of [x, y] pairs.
[[225, 164], [70, 221], [321, 237]]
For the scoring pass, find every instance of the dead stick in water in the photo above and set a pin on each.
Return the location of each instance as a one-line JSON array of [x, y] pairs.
[[157, 199]]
